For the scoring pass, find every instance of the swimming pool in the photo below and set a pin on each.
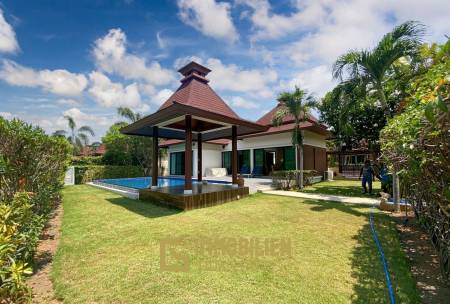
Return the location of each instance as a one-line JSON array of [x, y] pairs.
[[145, 182]]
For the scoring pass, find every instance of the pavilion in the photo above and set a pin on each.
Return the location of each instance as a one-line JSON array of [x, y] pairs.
[[193, 113]]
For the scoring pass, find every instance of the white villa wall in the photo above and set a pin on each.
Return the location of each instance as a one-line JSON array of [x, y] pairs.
[[212, 154]]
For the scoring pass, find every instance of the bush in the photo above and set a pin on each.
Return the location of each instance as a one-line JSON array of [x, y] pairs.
[[35, 164], [84, 174], [417, 144], [286, 179], [86, 160]]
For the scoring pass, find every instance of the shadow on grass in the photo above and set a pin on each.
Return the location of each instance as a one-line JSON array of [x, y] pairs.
[[367, 269], [340, 190], [353, 209], [144, 208]]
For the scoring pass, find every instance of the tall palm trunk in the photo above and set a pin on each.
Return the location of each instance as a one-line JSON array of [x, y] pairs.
[[300, 155]]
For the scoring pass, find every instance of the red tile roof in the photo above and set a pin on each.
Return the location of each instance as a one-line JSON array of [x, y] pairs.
[[195, 91], [267, 118], [92, 150]]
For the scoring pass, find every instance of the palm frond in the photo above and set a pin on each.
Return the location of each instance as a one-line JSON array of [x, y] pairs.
[[70, 121], [78, 142], [127, 113], [348, 63], [86, 129], [59, 133], [277, 119]]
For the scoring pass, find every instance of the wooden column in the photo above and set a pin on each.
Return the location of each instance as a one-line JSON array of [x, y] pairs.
[[155, 157], [188, 156], [199, 157], [234, 156]]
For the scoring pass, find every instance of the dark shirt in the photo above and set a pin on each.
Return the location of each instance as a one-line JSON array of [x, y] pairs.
[[366, 171]]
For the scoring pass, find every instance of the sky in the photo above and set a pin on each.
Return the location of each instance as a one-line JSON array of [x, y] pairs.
[[86, 58]]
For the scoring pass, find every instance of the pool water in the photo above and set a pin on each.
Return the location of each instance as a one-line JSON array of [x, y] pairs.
[[145, 182]]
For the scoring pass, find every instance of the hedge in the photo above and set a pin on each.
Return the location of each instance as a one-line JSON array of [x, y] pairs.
[[84, 174], [34, 166], [86, 160]]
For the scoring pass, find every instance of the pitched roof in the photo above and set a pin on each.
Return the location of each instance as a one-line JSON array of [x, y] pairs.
[[93, 150], [195, 91], [287, 127], [267, 118]]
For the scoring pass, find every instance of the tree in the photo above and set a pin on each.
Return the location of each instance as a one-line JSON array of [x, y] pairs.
[[125, 149], [354, 120], [369, 68], [297, 105], [77, 137]]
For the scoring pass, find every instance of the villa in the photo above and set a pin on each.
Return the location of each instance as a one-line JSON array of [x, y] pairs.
[[258, 154], [205, 137]]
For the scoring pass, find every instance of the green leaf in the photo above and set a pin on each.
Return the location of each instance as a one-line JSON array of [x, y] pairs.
[[441, 104], [429, 112], [447, 193]]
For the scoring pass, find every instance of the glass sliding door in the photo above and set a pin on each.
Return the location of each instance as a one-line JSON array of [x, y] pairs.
[[177, 163], [226, 161], [258, 162], [289, 158], [244, 161]]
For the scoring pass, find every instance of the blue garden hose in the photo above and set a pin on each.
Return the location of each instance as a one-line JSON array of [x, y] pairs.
[[382, 257]]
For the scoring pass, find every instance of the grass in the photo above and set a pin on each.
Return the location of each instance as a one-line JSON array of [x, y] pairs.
[[342, 187], [109, 252]]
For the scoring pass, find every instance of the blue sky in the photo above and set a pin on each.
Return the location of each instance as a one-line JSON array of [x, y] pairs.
[[86, 58]]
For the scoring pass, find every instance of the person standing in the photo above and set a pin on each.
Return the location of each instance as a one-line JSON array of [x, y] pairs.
[[368, 176]]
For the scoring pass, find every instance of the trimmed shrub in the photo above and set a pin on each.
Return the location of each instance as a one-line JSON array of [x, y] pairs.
[[84, 174], [286, 179], [34, 164]]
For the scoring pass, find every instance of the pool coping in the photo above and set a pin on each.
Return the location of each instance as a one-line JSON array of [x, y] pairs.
[[124, 191], [133, 193]]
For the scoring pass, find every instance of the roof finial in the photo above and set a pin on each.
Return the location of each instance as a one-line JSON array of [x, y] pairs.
[[194, 68]]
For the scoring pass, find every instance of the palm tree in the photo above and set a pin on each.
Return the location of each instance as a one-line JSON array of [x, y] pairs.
[[77, 137], [369, 68], [129, 114], [297, 105]]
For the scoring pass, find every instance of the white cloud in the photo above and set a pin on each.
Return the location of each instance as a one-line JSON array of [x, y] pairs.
[[161, 96], [111, 56], [268, 25], [255, 82], [67, 102], [60, 82], [8, 42], [330, 28], [112, 95], [317, 80], [239, 102], [231, 77], [82, 118], [351, 24], [211, 18], [6, 115]]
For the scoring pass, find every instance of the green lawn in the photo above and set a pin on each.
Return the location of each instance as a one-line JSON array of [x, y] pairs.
[[110, 253], [342, 187]]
